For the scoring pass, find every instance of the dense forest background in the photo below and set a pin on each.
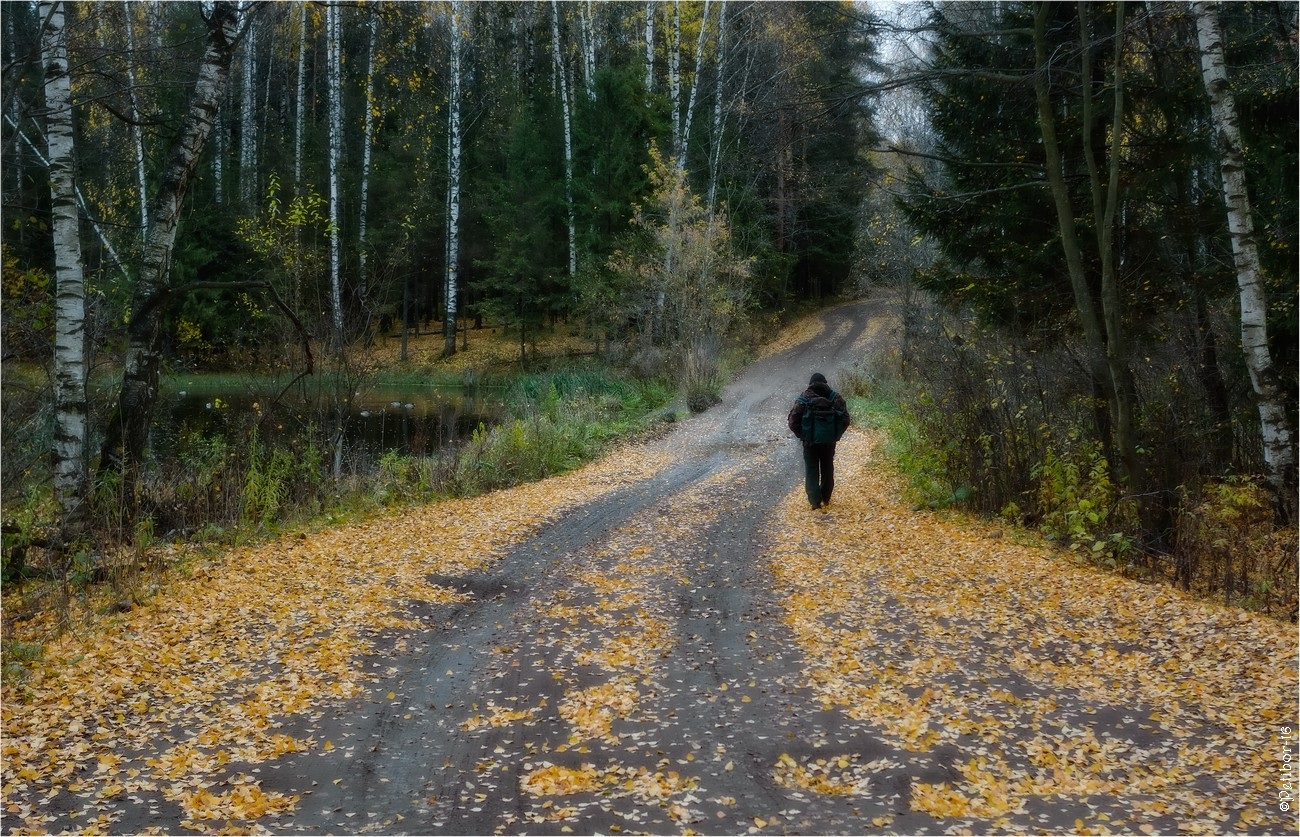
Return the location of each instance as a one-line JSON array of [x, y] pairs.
[[267, 186]]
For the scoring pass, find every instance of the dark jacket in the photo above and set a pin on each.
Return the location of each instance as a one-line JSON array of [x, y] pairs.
[[795, 419]]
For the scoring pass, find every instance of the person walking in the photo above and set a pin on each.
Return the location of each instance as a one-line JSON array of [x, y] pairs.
[[819, 418]]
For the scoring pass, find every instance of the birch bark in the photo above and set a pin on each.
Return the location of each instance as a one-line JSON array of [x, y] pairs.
[[68, 453], [300, 117], [675, 77], [137, 140], [568, 135], [335, 72], [716, 151], [368, 134], [453, 187], [586, 19], [1279, 444], [247, 120], [649, 46], [695, 86], [127, 433]]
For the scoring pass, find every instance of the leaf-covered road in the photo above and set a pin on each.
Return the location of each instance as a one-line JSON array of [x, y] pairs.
[[665, 642]]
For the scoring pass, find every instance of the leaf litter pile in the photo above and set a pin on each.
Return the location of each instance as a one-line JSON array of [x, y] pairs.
[[936, 678], [213, 668], [1063, 698]]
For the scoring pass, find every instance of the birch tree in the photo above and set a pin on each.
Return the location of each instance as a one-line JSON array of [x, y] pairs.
[[68, 454], [367, 142], [453, 186], [683, 150], [650, 46], [587, 23], [127, 433], [334, 64], [675, 78], [715, 154], [1279, 445], [137, 139], [247, 120], [300, 110], [567, 110]]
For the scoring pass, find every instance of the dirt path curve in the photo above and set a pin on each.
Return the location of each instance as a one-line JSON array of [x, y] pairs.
[[631, 652], [665, 642]]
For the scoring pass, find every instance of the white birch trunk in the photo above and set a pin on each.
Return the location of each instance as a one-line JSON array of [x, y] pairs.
[[68, 454], [453, 188], [715, 155], [335, 73], [675, 77], [650, 46], [300, 117], [218, 156], [137, 140], [368, 134], [695, 86], [587, 20], [247, 121], [128, 429], [1279, 446], [82, 203], [568, 135]]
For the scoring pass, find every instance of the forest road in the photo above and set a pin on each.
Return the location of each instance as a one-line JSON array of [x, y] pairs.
[[625, 669]]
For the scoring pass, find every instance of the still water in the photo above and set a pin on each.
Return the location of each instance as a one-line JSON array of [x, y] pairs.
[[411, 420]]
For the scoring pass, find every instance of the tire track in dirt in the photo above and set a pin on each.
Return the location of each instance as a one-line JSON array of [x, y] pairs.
[[645, 610]]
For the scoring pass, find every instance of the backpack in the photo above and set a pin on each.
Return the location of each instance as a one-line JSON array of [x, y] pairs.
[[823, 422]]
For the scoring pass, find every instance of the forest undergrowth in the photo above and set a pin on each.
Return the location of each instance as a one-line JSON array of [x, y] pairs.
[[1055, 683], [231, 489]]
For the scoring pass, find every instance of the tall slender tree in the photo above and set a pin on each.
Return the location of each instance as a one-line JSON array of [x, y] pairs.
[[300, 102], [334, 62], [248, 118], [70, 288], [1279, 444], [137, 138], [367, 143], [454, 140], [127, 434], [566, 107]]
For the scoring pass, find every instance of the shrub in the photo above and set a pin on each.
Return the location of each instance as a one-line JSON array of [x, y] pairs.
[[1228, 541]]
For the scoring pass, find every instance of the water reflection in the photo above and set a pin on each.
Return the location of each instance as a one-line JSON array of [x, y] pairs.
[[411, 421]]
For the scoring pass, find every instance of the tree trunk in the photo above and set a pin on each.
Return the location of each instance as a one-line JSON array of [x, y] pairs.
[[1105, 202], [68, 454], [137, 140], [82, 203], [715, 155], [675, 77], [695, 87], [453, 187], [587, 20], [128, 428], [1085, 307], [1279, 444], [300, 115], [334, 61], [649, 46], [247, 123], [568, 136], [368, 135]]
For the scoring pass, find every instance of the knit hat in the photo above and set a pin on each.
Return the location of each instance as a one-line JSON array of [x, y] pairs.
[[817, 378]]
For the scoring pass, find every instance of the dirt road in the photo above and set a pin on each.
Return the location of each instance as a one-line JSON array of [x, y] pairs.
[[623, 669], [674, 643]]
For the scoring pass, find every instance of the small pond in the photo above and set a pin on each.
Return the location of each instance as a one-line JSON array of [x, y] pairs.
[[408, 419]]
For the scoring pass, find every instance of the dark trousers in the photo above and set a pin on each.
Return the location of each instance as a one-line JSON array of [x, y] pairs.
[[819, 473]]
